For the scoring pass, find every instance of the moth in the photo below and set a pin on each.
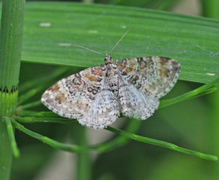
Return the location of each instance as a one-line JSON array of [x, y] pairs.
[[97, 95]]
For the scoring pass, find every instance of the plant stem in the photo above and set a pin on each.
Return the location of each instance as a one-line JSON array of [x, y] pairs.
[[84, 158], [210, 8], [10, 55], [214, 134], [103, 148], [11, 43], [5, 153], [11, 136]]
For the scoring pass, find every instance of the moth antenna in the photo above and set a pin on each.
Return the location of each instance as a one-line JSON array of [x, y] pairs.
[[119, 41], [89, 49]]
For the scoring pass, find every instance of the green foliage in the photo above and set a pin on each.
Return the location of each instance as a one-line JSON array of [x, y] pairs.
[[11, 31], [50, 31], [193, 41]]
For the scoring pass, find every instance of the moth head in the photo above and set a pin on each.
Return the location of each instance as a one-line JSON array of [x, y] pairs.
[[108, 59]]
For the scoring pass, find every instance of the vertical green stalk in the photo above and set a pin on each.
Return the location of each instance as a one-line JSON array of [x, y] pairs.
[[83, 158], [214, 125], [10, 54], [5, 153], [210, 8]]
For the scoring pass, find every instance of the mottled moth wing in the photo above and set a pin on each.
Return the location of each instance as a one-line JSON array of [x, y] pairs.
[[72, 96], [84, 96], [153, 76]]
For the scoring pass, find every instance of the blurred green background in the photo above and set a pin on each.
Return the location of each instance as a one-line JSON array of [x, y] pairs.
[[191, 124]]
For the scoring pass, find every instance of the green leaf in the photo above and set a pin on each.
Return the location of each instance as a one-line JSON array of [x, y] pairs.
[[51, 29]]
